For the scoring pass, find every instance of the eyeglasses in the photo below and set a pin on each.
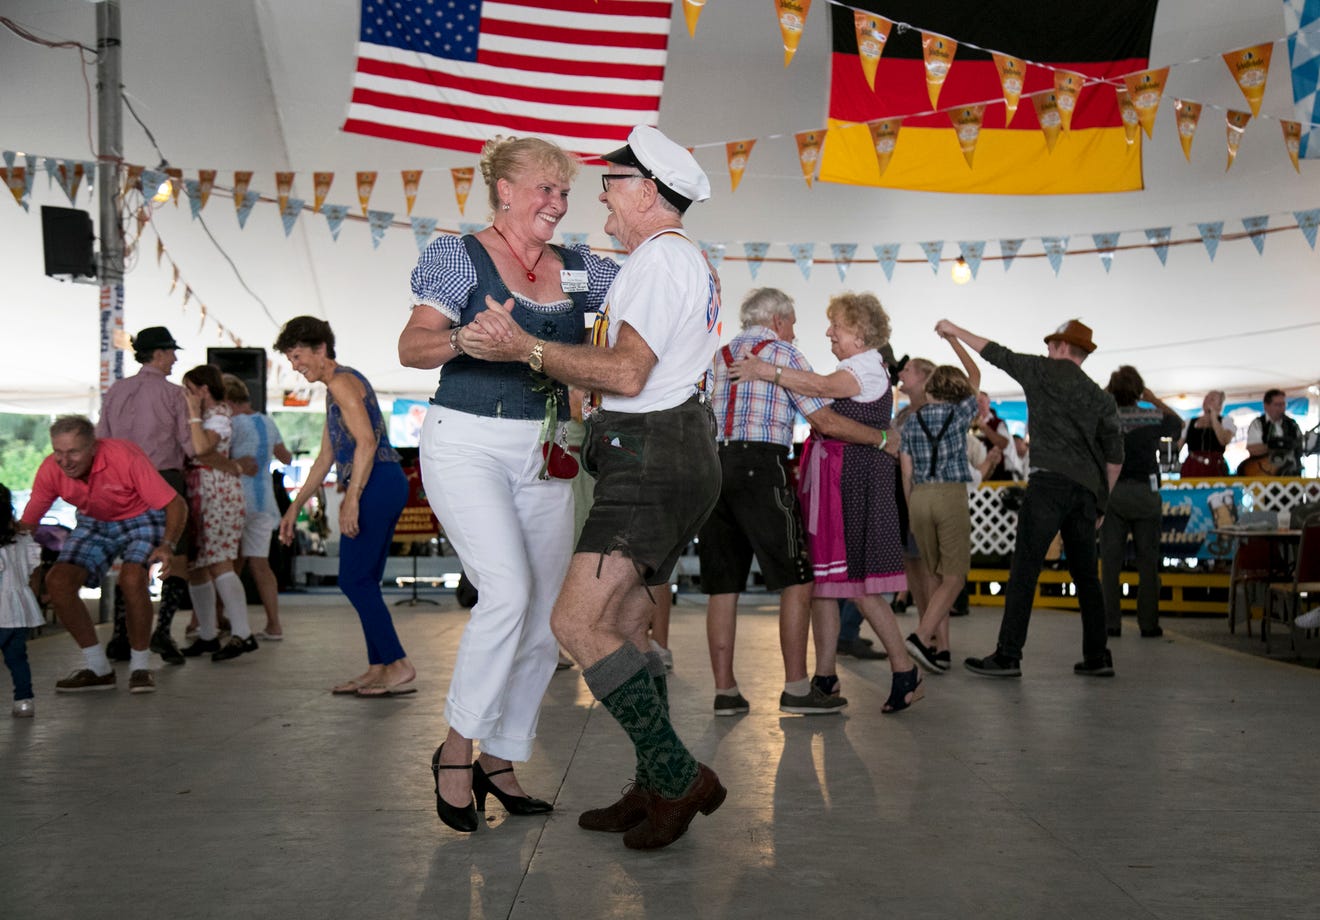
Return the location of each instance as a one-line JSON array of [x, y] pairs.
[[605, 179]]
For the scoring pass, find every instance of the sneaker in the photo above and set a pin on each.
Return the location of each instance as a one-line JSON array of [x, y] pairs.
[[726, 705], [665, 654], [995, 665], [814, 703], [828, 684], [859, 648], [85, 679], [922, 653], [117, 649], [141, 681], [202, 646], [235, 647], [163, 645], [1153, 633], [943, 660], [25, 709], [1100, 666]]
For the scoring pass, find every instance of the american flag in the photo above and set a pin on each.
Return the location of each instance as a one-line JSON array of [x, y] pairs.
[[454, 73]]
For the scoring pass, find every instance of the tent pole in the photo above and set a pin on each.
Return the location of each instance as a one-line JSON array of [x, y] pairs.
[[109, 158]]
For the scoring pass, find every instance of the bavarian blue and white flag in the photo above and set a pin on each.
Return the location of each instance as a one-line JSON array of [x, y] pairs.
[[1302, 18]]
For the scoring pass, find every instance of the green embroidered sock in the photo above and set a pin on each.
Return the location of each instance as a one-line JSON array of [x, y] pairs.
[[655, 666], [664, 765]]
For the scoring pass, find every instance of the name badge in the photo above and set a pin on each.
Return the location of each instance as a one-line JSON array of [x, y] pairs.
[[573, 282]]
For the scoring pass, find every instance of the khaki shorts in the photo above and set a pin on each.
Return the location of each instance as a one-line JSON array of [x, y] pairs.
[[942, 524]]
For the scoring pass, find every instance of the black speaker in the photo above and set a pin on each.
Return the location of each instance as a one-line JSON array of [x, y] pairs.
[[67, 237], [248, 365]]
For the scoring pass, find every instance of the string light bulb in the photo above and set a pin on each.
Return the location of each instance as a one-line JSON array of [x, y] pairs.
[[961, 271], [163, 193]]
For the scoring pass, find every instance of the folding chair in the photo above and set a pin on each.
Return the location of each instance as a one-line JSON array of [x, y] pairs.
[[1251, 565], [1305, 582]]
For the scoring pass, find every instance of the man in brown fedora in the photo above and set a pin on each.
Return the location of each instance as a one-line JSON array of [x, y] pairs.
[[1076, 456]]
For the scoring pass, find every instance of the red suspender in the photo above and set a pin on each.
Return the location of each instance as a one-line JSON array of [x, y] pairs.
[[733, 387]]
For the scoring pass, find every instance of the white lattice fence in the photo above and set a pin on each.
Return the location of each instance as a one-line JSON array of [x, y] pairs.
[[994, 529]]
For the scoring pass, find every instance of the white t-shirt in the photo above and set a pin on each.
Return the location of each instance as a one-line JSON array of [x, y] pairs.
[[869, 369], [665, 292]]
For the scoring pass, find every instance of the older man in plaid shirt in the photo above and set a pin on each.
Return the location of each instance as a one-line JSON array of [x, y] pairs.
[[758, 513]]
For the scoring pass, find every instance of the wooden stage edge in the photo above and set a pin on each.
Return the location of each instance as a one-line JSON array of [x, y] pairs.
[[1180, 592]]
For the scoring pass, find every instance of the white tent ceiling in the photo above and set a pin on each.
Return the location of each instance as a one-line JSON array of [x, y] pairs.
[[263, 85]]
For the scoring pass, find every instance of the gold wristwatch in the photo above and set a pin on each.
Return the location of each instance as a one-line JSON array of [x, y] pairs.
[[536, 360]]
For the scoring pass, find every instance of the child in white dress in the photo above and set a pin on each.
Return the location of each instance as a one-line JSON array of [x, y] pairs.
[[19, 610]]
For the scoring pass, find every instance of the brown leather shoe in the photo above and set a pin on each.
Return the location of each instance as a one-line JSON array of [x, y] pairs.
[[668, 819], [625, 814]]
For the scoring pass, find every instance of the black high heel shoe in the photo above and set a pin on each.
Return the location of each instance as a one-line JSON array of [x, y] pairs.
[[460, 818], [513, 804], [905, 684]]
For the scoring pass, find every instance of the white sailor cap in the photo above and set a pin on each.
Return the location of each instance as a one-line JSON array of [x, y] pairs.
[[675, 171]]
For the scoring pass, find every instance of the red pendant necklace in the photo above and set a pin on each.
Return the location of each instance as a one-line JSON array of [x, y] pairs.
[[531, 274]]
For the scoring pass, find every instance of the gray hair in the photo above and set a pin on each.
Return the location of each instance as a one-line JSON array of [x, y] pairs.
[[761, 305], [73, 424]]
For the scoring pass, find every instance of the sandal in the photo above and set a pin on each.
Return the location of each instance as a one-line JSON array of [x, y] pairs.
[[350, 686], [904, 691]]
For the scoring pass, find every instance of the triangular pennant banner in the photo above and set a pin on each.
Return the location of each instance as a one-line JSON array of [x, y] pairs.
[[714, 253], [1128, 113], [1008, 250], [884, 138], [379, 222], [737, 153], [804, 255], [1188, 116], [808, 146], [792, 21], [289, 213], [887, 254], [193, 190], [872, 33], [176, 183], [1250, 68], [1055, 248], [755, 253], [463, 176], [1236, 127], [574, 240], [967, 123], [334, 218], [18, 185], [423, 228], [1106, 243], [692, 12], [1159, 237], [241, 182], [1146, 89], [366, 181], [843, 257], [152, 180], [937, 52], [1211, 233], [1307, 222], [411, 179], [1047, 115], [1255, 227], [320, 188], [972, 253], [932, 249], [1067, 87], [283, 188], [1292, 141], [245, 207], [1012, 77], [468, 228]]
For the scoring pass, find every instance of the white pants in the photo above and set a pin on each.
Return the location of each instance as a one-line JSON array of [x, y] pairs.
[[513, 533]]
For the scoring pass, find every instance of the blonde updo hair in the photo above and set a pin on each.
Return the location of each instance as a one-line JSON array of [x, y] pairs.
[[508, 157], [863, 314], [948, 384]]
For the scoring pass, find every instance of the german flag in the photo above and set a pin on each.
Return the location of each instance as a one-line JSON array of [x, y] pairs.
[[1099, 39]]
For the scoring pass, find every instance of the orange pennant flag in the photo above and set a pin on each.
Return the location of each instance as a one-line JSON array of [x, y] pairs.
[[1047, 113], [176, 183], [808, 145], [132, 176], [283, 188], [174, 283], [1146, 88], [411, 179], [737, 153], [872, 33], [462, 184], [18, 182], [241, 182], [1189, 116], [1067, 87], [884, 138], [692, 12], [1292, 140], [937, 52], [366, 181], [1237, 126], [1250, 67], [160, 249], [1012, 76], [792, 20], [1128, 112], [320, 188], [967, 123], [205, 182]]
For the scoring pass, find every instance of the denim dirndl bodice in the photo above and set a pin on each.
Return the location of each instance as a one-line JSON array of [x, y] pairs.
[[341, 439], [509, 389]]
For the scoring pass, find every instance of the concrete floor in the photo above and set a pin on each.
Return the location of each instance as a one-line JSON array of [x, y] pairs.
[[1184, 788]]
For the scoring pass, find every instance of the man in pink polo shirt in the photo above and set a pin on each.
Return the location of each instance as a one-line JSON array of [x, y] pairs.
[[126, 510]]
